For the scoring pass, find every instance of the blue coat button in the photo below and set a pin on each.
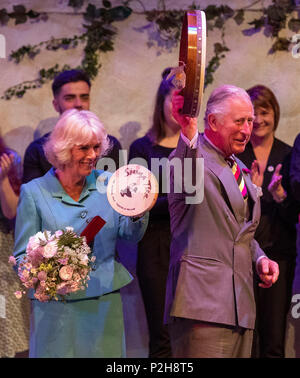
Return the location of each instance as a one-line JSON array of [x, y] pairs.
[[83, 214]]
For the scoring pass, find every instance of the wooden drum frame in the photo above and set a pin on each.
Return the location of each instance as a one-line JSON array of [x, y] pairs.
[[192, 54]]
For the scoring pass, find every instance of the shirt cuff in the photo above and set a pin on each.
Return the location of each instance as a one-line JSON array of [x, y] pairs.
[[191, 143], [260, 257]]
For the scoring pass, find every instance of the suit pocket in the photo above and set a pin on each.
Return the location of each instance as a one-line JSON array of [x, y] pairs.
[[204, 287], [200, 259]]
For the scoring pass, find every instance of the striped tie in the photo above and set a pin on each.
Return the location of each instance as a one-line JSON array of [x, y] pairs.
[[237, 173]]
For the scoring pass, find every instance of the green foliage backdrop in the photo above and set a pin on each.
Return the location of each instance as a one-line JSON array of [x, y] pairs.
[[99, 24]]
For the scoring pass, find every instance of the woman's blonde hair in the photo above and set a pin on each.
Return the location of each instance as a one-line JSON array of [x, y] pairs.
[[74, 127]]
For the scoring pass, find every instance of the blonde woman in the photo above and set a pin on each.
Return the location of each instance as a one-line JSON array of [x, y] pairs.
[[90, 324]]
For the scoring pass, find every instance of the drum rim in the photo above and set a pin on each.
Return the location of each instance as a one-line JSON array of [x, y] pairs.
[[192, 54]]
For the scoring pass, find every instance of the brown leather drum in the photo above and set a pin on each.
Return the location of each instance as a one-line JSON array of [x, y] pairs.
[[193, 53]]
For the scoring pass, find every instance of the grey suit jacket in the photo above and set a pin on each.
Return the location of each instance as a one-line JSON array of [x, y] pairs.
[[212, 250]]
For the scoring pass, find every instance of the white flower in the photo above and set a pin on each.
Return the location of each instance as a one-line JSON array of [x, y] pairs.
[[39, 235], [69, 251], [83, 259], [43, 237], [58, 233], [33, 243], [50, 250]]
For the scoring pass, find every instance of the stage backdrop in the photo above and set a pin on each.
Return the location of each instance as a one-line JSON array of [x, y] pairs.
[[123, 95]]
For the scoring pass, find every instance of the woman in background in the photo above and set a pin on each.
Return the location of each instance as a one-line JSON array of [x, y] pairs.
[[268, 158], [154, 248], [14, 313]]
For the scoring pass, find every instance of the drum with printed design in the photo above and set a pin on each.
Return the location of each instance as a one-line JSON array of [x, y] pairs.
[[132, 190]]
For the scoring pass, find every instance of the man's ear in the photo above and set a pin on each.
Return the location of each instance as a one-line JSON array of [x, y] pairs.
[[213, 122], [55, 104]]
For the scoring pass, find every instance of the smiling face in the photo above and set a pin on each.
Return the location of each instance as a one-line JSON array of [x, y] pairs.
[[231, 131], [263, 125], [84, 158]]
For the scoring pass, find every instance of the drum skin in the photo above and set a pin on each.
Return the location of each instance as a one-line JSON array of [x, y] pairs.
[[132, 190]]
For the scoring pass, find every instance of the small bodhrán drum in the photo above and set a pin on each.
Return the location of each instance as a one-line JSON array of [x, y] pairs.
[[132, 190]]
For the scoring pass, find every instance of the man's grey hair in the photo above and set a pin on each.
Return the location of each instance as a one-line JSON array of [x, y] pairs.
[[217, 102]]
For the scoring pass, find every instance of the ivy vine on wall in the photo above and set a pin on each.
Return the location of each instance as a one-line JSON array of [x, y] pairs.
[[100, 31]]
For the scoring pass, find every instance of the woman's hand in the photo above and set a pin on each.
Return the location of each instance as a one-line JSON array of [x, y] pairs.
[[6, 162], [275, 187], [8, 198], [188, 125], [256, 177]]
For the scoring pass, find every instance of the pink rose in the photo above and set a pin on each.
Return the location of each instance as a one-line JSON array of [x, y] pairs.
[[12, 260], [42, 276], [24, 276], [75, 286], [62, 288], [66, 272], [36, 256], [42, 297], [34, 281], [33, 243], [58, 233], [43, 284], [29, 284], [28, 266], [18, 294], [77, 277], [50, 250], [63, 261]]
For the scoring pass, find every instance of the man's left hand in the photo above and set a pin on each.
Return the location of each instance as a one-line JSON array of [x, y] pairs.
[[268, 272]]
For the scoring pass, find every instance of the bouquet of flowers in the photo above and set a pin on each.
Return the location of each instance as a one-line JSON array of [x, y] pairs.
[[55, 265]]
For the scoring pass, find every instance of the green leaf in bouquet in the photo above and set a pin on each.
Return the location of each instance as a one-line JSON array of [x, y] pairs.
[[67, 239]]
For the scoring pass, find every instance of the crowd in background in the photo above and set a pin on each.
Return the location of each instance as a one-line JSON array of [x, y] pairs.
[[274, 166]]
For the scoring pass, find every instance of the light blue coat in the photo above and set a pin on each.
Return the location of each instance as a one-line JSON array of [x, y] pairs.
[[44, 205]]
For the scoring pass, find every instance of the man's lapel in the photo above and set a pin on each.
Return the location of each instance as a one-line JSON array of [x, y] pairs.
[[216, 163]]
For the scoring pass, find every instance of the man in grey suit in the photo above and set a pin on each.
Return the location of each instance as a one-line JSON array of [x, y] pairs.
[[210, 303]]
